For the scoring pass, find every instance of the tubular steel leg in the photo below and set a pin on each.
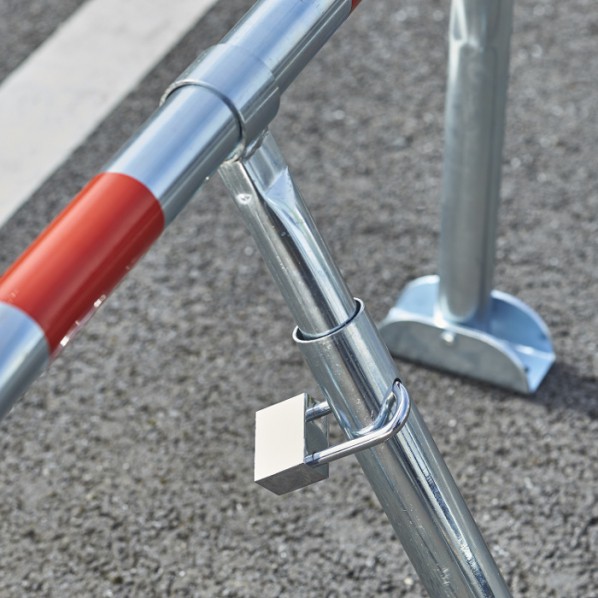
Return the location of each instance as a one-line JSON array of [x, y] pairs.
[[354, 370], [455, 321]]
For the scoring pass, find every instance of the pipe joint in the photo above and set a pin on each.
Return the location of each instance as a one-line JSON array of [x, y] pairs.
[[353, 369], [242, 81]]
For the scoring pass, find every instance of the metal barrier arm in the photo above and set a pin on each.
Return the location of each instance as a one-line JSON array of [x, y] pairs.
[[220, 104]]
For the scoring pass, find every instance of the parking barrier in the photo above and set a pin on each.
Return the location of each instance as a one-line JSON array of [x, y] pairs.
[[216, 116]]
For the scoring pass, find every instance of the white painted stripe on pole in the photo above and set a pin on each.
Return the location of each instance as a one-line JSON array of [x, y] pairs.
[[59, 95]]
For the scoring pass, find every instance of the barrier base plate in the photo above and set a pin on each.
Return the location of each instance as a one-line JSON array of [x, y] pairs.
[[513, 351]]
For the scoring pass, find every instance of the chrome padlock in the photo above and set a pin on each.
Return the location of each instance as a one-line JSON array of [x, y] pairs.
[[291, 446], [284, 436]]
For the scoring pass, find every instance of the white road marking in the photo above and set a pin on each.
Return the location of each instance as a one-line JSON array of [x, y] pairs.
[[59, 95]]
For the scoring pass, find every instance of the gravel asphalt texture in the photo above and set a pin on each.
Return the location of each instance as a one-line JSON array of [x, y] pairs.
[[126, 469]]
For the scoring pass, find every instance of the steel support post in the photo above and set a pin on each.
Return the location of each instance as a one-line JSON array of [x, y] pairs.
[[455, 321], [354, 371]]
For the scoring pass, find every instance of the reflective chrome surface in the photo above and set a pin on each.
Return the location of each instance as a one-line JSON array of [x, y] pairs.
[[346, 364], [291, 449], [283, 228], [372, 435], [455, 322], [286, 35], [242, 81], [354, 371], [24, 353], [179, 147], [224, 100], [353, 368]]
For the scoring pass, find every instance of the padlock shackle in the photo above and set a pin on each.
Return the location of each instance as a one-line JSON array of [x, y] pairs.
[[372, 435]]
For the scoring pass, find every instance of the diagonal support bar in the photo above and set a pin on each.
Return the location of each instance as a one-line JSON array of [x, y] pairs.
[[354, 370]]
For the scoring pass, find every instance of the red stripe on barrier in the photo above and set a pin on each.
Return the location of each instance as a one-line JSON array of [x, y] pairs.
[[354, 4], [78, 260]]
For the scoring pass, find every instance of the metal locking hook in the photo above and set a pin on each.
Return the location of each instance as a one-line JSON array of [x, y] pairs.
[[374, 434], [292, 450]]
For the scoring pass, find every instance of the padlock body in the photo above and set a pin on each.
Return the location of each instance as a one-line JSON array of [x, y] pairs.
[[282, 441]]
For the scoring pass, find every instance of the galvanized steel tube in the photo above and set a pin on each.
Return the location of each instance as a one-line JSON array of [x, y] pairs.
[[294, 251], [480, 33], [307, 25], [409, 476], [355, 371]]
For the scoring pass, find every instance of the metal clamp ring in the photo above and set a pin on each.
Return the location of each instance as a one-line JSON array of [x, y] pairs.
[[242, 81], [368, 437]]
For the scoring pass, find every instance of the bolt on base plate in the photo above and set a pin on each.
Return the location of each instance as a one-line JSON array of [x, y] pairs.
[[513, 350]]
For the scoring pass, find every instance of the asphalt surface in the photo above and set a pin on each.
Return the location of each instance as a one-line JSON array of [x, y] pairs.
[[127, 469]]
